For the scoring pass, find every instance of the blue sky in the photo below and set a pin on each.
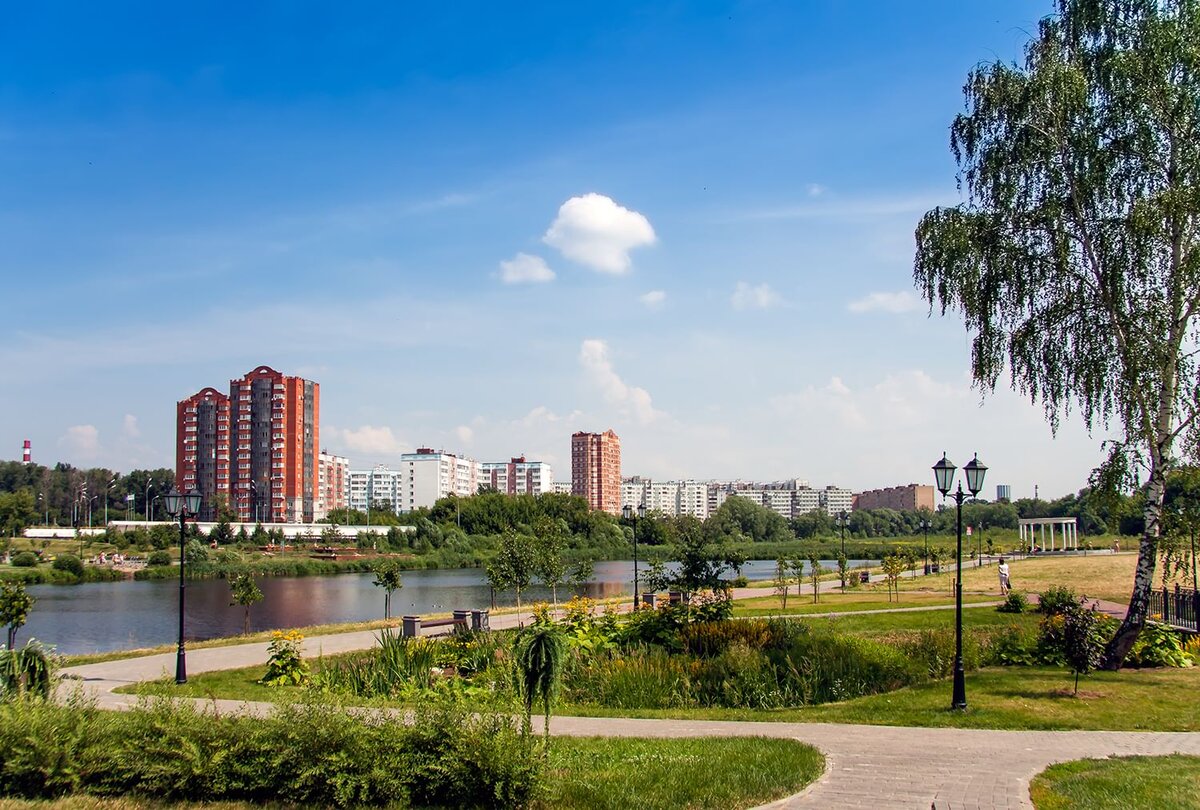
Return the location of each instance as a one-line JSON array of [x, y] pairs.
[[483, 228]]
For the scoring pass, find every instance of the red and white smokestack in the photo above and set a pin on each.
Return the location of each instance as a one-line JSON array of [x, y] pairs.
[[27, 454]]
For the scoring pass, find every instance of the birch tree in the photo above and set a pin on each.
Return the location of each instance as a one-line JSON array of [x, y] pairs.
[[1073, 258]]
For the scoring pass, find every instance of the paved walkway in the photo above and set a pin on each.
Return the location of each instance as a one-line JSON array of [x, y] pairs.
[[875, 767]]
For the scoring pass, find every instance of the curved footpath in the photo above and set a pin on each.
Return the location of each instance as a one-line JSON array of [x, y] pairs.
[[873, 767]]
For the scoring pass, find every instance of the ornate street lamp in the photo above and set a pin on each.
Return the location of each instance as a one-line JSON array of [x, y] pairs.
[[183, 507], [943, 473], [925, 526], [842, 519], [628, 513]]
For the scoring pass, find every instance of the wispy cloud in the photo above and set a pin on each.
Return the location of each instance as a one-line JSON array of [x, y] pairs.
[[653, 299], [81, 441], [893, 302], [598, 368], [525, 269], [754, 296]]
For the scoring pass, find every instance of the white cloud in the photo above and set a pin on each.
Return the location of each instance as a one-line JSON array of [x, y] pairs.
[[893, 302], [129, 427], [815, 189], [653, 299], [761, 296], [525, 269], [464, 434], [82, 440], [595, 231], [593, 356], [371, 440]]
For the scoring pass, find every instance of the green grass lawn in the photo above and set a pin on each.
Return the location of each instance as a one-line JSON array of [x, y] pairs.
[[873, 623], [1164, 783], [613, 772], [1021, 698], [998, 698], [610, 772], [852, 601]]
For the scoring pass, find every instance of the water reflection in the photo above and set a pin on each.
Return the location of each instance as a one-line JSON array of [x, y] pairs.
[[103, 616]]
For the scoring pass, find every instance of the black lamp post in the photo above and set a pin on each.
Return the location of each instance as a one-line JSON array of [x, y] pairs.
[[629, 514], [842, 518], [183, 507], [925, 526], [943, 472]]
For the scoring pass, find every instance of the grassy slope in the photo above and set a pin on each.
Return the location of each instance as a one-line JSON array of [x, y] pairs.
[[1164, 783]]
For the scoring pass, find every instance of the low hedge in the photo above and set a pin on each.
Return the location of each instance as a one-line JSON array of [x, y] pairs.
[[302, 754]]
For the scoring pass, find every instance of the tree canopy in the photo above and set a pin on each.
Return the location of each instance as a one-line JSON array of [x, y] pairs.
[[1073, 259]]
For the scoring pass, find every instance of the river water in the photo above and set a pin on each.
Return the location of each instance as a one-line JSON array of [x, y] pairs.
[[105, 616]]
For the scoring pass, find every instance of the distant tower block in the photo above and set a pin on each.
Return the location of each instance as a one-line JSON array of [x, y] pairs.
[[1003, 492], [27, 453]]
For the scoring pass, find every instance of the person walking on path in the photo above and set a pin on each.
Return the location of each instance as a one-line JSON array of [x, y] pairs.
[[1003, 569]]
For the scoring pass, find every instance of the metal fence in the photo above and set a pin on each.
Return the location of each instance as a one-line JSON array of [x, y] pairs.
[[1178, 608]]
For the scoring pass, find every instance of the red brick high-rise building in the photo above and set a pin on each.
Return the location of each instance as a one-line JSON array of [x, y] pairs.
[[596, 469], [264, 450], [202, 447]]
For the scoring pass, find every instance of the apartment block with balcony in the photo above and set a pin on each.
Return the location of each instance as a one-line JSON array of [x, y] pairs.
[[596, 469], [274, 441], [202, 447], [517, 476], [907, 497], [377, 488], [332, 472], [432, 474]]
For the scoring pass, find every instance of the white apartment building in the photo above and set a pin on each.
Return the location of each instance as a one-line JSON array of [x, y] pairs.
[[332, 475], [517, 476], [669, 498], [561, 487], [373, 487], [428, 475], [836, 499]]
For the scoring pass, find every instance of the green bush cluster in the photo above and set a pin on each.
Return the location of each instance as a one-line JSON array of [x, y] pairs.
[[159, 557], [305, 754], [412, 668], [760, 664], [24, 559], [1015, 602], [69, 563]]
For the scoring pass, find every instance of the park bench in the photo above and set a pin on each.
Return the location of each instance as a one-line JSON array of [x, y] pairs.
[[461, 619]]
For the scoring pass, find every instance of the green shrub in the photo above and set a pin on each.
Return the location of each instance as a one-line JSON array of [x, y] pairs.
[[707, 639], [24, 559], [285, 666], [935, 650], [647, 678], [195, 552], [1014, 646], [159, 558], [1158, 646], [26, 671], [742, 677], [1016, 602], [303, 754], [829, 666], [69, 563], [1056, 599]]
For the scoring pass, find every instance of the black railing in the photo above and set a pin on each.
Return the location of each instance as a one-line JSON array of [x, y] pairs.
[[1178, 608]]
